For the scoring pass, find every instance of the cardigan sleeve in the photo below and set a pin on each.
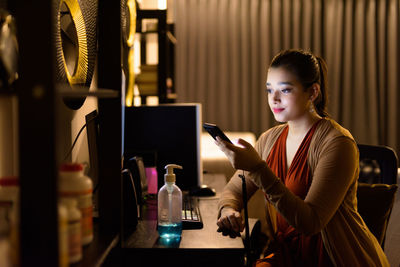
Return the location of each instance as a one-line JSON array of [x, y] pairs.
[[231, 196], [334, 173]]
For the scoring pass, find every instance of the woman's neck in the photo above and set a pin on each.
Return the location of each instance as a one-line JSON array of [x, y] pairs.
[[299, 128]]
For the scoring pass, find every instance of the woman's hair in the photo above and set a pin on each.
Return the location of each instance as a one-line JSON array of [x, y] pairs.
[[308, 69]]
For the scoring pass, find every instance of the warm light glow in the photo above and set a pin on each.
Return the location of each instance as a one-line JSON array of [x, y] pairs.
[[129, 99], [131, 79], [137, 100], [132, 14], [210, 151], [162, 4], [152, 100]]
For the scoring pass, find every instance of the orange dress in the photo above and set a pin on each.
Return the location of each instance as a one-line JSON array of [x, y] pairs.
[[293, 248]]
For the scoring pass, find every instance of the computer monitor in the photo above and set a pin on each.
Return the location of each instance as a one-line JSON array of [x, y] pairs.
[[92, 139], [166, 134]]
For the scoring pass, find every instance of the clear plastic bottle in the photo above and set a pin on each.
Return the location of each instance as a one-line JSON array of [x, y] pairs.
[[170, 206]]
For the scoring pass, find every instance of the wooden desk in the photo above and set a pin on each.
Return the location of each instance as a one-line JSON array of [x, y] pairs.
[[203, 247]]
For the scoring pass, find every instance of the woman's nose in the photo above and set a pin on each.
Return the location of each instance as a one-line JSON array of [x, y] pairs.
[[276, 96]]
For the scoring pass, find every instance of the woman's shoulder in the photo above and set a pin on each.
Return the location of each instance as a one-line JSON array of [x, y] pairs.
[[272, 133], [330, 138], [330, 134], [329, 128]]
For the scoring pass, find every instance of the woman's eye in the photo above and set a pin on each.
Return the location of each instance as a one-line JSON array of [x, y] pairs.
[[286, 90], [268, 91]]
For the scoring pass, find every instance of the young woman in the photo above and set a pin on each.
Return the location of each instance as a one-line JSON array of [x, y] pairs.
[[308, 169]]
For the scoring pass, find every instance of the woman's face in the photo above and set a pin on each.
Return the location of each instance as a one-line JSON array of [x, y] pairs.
[[286, 96]]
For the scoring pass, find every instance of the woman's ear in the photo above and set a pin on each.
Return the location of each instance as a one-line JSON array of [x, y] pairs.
[[314, 91]]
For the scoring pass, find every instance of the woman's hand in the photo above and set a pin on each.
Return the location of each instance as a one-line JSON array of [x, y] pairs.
[[230, 223], [243, 157]]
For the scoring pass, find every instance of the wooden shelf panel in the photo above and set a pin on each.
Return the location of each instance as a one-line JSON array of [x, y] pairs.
[[81, 91], [97, 251]]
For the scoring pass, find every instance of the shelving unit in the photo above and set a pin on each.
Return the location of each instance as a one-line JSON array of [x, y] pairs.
[[37, 115], [110, 116], [164, 48], [38, 119], [65, 91]]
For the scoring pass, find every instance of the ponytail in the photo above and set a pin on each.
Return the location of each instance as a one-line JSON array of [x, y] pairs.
[[321, 101]]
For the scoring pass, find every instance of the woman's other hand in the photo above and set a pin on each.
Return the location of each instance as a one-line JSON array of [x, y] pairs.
[[230, 223], [242, 157]]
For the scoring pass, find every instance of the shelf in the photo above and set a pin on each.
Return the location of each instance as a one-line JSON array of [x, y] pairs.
[[8, 93], [164, 61], [148, 32], [40, 141], [97, 251], [82, 91]]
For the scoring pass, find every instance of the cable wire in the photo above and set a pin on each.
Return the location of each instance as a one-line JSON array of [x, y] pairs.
[[247, 243], [76, 138]]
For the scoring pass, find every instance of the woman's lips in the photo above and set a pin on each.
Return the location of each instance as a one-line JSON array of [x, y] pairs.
[[277, 110]]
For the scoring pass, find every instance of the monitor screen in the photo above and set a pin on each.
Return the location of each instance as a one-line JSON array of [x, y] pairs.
[[92, 138], [166, 134]]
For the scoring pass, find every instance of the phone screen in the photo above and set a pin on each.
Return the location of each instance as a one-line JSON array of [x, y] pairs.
[[215, 131]]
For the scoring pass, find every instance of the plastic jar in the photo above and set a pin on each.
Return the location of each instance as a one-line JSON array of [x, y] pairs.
[[5, 259], [74, 230], [73, 183], [9, 193], [63, 236], [9, 203]]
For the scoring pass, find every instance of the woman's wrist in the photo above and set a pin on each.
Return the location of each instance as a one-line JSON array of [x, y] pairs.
[[258, 166], [263, 176]]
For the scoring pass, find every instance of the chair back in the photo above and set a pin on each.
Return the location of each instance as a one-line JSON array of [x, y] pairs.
[[385, 157], [375, 196]]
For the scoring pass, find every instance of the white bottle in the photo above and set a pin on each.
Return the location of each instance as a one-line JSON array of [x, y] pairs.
[[73, 183], [74, 230], [170, 206], [5, 259], [9, 194], [9, 202], [63, 258]]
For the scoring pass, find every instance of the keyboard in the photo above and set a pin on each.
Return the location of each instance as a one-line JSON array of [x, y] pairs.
[[191, 217]]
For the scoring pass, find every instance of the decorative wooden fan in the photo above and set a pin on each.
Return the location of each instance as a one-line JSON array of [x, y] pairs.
[[75, 41]]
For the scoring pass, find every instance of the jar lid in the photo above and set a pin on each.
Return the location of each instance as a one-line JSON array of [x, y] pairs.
[[71, 167], [9, 181]]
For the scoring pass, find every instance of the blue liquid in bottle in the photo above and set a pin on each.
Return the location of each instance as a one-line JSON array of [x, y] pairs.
[[172, 230]]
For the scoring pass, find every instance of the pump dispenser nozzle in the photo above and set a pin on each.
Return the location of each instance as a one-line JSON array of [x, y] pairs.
[[169, 176]]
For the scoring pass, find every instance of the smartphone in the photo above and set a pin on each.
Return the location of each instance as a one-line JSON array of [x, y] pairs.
[[215, 131]]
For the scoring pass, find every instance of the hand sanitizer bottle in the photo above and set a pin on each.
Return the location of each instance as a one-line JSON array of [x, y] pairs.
[[170, 206]]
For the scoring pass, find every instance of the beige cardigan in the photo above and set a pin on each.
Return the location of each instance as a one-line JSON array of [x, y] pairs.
[[330, 206]]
